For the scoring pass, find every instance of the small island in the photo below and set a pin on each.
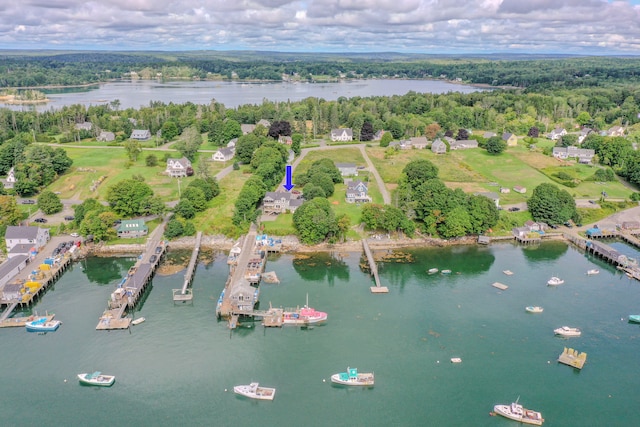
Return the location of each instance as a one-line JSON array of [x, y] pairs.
[[24, 97]]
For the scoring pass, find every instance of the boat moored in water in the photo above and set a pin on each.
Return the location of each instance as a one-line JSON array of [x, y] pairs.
[[534, 309], [254, 391], [567, 331], [97, 378], [593, 272], [42, 324], [303, 316], [555, 281], [517, 412], [352, 377], [446, 271], [635, 318], [432, 271], [138, 321]]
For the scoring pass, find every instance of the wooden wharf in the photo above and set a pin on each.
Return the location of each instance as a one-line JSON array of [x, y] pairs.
[[17, 322], [33, 280], [239, 296], [373, 268], [131, 288], [185, 294]]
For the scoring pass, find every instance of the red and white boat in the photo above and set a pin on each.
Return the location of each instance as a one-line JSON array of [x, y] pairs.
[[517, 412], [303, 316]]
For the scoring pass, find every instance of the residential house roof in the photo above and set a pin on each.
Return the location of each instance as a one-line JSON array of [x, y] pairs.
[[247, 128]]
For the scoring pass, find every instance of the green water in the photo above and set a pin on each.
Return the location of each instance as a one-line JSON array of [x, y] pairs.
[[177, 367]]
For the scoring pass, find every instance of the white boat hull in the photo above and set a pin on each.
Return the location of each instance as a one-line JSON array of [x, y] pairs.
[[360, 379], [254, 391], [138, 321], [100, 380], [505, 411], [567, 332], [47, 326], [534, 309]]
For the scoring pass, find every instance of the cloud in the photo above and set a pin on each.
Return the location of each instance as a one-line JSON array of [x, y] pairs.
[[429, 26]]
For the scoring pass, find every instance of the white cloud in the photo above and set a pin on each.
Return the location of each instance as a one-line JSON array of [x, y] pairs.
[[576, 26]]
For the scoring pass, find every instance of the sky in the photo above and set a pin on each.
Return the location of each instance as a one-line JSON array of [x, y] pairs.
[[592, 27]]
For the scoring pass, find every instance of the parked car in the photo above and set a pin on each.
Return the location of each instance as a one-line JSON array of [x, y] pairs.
[[555, 227], [74, 235], [568, 224], [28, 202], [514, 209], [153, 259], [69, 218], [41, 220], [158, 249]]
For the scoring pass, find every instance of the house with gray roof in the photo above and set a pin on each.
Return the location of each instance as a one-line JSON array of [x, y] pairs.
[[10, 180], [438, 146], [177, 168], [223, 154], [583, 134], [419, 142], [141, 134], [106, 136], [247, 128], [276, 202], [510, 139], [28, 235], [488, 135], [557, 133], [583, 155], [8, 270], [84, 126], [357, 192], [342, 134]]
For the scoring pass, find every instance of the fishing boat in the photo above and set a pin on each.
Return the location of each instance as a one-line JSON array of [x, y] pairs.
[[593, 272], [303, 316], [456, 360], [432, 271], [254, 391], [446, 271], [555, 281], [534, 309], [138, 321], [352, 377], [635, 318], [517, 412], [567, 331], [42, 324], [97, 378]]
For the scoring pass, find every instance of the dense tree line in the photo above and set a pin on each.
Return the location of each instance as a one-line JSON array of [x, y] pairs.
[[91, 67]]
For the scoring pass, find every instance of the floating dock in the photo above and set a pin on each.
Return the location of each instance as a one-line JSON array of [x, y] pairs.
[[572, 358], [500, 286]]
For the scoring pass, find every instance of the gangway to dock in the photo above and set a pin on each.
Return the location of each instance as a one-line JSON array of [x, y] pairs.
[[185, 294], [378, 288], [7, 312]]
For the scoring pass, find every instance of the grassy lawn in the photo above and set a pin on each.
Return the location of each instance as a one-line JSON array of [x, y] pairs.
[[217, 218]]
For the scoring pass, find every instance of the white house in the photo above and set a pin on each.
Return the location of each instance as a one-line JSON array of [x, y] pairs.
[[84, 126], [557, 133], [177, 167], [27, 235], [463, 144], [10, 180], [141, 134], [223, 154], [583, 134], [584, 155], [616, 131], [343, 134]]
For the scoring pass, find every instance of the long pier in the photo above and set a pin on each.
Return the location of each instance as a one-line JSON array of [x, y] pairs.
[[132, 286], [185, 294], [606, 252], [378, 288]]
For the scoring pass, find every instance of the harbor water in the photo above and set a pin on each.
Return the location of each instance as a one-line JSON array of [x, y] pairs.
[[179, 366]]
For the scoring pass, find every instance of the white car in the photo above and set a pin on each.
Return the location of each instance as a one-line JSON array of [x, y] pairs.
[[74, 235]]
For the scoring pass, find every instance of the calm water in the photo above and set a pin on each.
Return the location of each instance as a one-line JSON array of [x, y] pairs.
[[134, 94], [176, 367]]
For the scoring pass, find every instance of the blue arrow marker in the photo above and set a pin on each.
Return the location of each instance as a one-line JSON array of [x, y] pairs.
[[288, 185]]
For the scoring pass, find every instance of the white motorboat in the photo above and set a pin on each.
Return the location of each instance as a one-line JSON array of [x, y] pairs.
[[446, 272], [138, 321], [432, 271], [97, 379], [42, 324], [456, 360], [254, 391], [567, 331], [593, 272], [517, 412], [352, 377], [555, 281], [534, 309]]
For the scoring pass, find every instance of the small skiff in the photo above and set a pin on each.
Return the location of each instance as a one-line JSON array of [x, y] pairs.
[[534, 309], [138, 321], [97, 378], [254, 391]]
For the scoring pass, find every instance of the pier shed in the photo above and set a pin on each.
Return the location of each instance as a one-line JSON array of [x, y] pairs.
[[11, 267]]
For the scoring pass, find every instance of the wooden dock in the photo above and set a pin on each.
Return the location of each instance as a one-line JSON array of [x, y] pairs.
[[500, 286], [572, 358], [185, 294], [16, 322], [373, 267]]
